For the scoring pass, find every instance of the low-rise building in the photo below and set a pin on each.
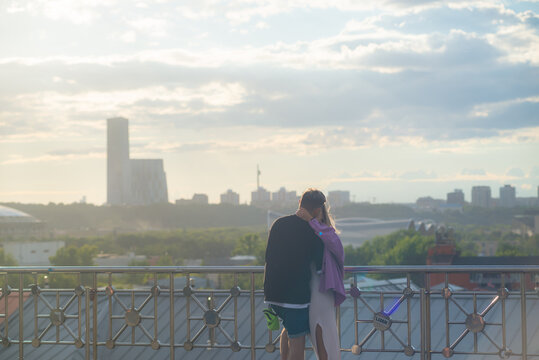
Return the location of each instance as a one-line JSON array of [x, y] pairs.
[[32, 253], [428, 203], [196, 199]]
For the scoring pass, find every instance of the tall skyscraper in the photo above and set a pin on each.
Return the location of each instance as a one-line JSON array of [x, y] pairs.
[[481, 196], [131, 181], [118, 165]]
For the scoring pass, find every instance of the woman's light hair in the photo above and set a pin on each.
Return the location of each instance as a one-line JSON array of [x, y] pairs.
[[327, 218]]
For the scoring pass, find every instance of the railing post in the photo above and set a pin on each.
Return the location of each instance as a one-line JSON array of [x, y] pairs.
[[21, 319], [253, 322], [171, 298], [87, 324], [524, 329], [422, 317], [427, 318], [94, 300]]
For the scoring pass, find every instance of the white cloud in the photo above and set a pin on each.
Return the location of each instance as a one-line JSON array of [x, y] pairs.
[[483, 110], [128, 37], [77, 12], [52, 158], [154, 27], [194, 13], [520, 43], [262, 25], [214, 95]]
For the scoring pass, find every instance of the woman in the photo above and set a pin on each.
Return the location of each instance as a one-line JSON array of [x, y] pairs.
[[327, 288]]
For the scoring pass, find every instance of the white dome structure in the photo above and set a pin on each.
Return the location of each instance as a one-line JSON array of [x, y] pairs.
[[8, 215], [16, 223]]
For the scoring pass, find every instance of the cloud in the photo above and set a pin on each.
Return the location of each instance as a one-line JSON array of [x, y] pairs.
[[473, 172], [534, 172], [128, 37], [387, 76], [17, 160], [84, 151], [421, 176], [154, 27], [418, 175], [177, 100], [515, 172], [78, 12]]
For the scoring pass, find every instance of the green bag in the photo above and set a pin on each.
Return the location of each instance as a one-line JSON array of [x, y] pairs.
[[272, 319]]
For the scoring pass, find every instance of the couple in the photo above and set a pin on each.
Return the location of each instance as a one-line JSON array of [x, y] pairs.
[[303, 278]]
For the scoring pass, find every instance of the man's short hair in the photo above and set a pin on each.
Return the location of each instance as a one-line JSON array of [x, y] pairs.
[[312, 199]]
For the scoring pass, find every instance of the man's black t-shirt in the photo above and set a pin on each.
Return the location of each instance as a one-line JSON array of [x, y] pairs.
[[292, 247]]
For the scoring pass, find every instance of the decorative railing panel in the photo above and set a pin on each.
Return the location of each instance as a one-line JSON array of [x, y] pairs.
[[104, 317]]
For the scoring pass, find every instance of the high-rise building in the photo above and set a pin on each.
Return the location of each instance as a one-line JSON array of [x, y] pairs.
[[118, 166], [283, 197], [230, 197], [260, 197], [481, 196], [131, 181], [338, 198], [456, 197], [148, 182], [508, 196]]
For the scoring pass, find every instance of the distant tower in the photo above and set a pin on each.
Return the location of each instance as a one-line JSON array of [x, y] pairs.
[[257, 176], [118, 165]]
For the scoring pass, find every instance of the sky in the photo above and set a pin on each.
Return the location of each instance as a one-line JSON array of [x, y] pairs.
[[389, 99]]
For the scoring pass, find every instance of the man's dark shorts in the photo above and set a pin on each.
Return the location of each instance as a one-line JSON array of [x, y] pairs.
[[295, 321]]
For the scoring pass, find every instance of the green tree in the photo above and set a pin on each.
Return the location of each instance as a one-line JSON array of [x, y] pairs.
[[402, 247], [251, 244], [507, 249], [7, 259], [72, 256]]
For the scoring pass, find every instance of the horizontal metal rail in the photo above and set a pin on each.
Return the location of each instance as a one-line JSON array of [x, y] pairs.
[[257, 269]]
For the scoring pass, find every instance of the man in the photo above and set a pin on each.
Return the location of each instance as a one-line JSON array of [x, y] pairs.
[[292, 248]]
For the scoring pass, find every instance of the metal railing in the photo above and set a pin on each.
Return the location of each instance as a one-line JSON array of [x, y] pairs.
[[100, 315]]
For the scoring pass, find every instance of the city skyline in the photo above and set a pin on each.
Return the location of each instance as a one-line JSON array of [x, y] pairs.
[[388, 100]]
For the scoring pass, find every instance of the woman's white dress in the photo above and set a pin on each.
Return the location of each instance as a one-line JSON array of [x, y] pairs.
[[322, 312]]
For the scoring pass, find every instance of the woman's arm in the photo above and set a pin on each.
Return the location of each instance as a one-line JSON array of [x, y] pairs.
[[329, 237]]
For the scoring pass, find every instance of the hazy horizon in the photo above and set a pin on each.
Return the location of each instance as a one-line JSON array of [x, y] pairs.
[[388, 100]]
